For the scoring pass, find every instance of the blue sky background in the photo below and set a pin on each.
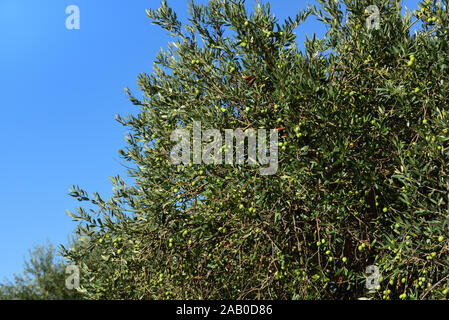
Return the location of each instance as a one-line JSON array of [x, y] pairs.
[[60, 91]]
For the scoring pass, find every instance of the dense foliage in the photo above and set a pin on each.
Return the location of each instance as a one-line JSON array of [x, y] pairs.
[[363, 178]]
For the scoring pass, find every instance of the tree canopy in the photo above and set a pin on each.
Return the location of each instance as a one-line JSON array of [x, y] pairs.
[[362, 176]]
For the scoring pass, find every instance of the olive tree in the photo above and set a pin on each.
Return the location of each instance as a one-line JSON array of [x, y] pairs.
[[362, 181]]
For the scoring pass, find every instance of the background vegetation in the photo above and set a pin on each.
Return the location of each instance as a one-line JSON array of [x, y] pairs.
[[43, 278]]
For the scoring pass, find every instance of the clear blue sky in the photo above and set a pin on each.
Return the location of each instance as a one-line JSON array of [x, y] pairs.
[[60, 91]]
